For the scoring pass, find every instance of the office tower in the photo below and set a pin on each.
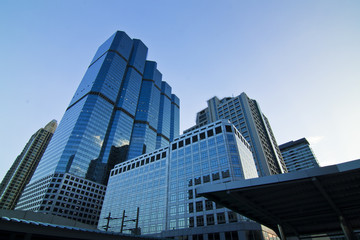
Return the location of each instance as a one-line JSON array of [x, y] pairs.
[[162, 184], [298, 155], [116, 113], [246, 115], [24, 166]]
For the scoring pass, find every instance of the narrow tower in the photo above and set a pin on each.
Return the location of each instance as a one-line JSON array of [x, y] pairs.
[[24, 166]]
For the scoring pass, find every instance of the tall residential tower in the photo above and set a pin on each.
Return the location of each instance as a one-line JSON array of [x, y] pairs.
[[24, 166], [246, 115], [121, 109]]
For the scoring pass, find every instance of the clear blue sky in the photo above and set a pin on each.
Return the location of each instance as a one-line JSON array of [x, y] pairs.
[[299, 59]]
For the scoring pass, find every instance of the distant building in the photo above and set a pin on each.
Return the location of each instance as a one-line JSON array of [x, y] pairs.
[[298, 155], [24, 166], [162, 184], [121, 109], [246, 115]]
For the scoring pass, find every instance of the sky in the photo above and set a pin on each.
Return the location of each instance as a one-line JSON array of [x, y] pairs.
[[299, 59]]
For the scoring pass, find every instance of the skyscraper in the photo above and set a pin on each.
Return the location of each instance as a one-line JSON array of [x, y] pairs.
[[121, 109], [24, 166], [298, 155], [162, 184], [246, 115]]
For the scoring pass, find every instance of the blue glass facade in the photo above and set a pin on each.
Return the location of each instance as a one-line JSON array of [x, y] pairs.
[[114, 115], [175, 117], [163, 183]]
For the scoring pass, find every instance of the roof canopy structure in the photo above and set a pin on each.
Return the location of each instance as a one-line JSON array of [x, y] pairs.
[[299, 204]]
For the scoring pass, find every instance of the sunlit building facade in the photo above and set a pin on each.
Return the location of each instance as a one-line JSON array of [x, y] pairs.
[[121, 109], [162, 184], [298, 155], [246, 115], [24, 166]]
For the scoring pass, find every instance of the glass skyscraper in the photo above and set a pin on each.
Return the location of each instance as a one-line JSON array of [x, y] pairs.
[[24, 166], [162, 184], [121, 109], [298, 155], [246, 115]]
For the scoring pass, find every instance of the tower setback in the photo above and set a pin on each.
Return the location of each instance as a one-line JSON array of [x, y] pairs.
[[116, 113]]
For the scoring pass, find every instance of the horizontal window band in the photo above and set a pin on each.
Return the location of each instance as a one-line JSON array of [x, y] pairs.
[[150, 80], [147, 123], [124, 111], [163, 136], [175, 104], [92, 93], [166, 96]]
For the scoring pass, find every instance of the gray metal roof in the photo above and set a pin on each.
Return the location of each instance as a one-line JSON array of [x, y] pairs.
[[303, 203]]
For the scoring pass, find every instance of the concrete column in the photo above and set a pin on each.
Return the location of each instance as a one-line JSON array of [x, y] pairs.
[[348, 233], [282, 235]]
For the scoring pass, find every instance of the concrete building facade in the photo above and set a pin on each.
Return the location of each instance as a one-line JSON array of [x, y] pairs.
[[298, 155], [246, 115], [24, 166]]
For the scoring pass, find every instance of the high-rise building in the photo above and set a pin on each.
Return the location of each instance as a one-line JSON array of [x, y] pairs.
[[246, 115], [162, 184], [121, 109], [24, 166], [298, 155]]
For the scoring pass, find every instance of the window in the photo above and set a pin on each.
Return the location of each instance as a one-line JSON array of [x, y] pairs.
[[191, 207], [218, 130], [187, 141], [195, 138], [191, 222], [215, 176], [214, 236], [173, 210], [232, 217], [191, 195], [174, 146], [199, 206], [200, 221], [210, 220], [225, 174], [198, 181], [208, 205], [237, 172], [206, 178], [210, 133], [220, 218], [228, 128], [231, 235], [181, 144]]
